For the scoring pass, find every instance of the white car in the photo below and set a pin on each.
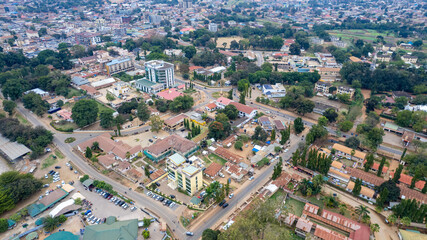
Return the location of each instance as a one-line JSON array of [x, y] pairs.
[[251, 178], [286, 150], [231, 196], [45, 176]]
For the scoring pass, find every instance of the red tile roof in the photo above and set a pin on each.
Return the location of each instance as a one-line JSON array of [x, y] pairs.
[[229, 156], [376, 166], [211, 106], [406, 179], [213, 169], [243, 108], [223, 100], [170, 94], [327, 234]]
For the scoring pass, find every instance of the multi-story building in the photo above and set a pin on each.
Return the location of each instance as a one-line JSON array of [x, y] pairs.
[[383, 58], [159, 71], [322, 87], [329, 74], [409, 59], [346, 90], [213, 27], [119, 65], [349, 153], [155, 19], [184, 174], [86, 38], [187, 4]]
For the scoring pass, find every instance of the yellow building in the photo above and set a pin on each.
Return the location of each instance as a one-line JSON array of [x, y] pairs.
[[184, 174]]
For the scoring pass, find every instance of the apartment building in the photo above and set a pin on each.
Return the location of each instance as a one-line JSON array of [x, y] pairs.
[[119, 65], [184, 174], [346, 152], [346, 90], [383, 58], [409, 59], [329, 74], [322, 87], [213, 27], [159, 71]]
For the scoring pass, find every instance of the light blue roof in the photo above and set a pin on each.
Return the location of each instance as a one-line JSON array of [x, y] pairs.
[[177, 159], [268, 86], [190, 170], [116, 61]]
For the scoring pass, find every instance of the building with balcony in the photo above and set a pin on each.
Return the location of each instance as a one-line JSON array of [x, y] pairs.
[[119, 65], [184, 174], [162, 72]]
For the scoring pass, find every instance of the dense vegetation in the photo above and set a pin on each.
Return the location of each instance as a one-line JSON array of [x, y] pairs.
[[34, 138], [15, 187]]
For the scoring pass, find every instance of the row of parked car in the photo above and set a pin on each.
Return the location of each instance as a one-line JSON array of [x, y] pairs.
[[117, 201], [166, 202], [90, 218]]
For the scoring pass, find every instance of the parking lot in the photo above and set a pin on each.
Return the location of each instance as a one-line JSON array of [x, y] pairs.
[[156, 197], [103, 208]]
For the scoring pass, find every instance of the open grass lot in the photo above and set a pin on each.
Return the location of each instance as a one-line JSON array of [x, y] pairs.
[[22, 119], [102, 107], [216, 158], [219, 94], [294, 206], [73, 92], [228, 40], [49, 161], [367, 35], [59, 154]]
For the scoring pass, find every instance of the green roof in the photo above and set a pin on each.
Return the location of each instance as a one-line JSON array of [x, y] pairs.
[[63, 235], [391, 126], [32, 236], [195, 200], [190, 170], [123, 230], [177, 159], [87, 182]]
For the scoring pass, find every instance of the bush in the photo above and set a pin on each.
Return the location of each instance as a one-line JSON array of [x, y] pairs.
[[263, 162], [4, 225], [146, 234], [62, 219], [346, 126], [84, 178]]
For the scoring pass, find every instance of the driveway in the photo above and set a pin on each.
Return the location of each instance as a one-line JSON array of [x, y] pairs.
[[386, 231]]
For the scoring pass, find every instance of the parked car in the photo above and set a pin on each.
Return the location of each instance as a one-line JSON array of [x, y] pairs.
[[221, 203], [57, 167], [157, 184], [172, 196], [231, 196], [190, 233], [225, 205], [251, 178]]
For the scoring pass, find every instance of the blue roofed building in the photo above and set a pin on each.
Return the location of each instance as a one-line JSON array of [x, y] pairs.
[[274, 91], [120, 65]]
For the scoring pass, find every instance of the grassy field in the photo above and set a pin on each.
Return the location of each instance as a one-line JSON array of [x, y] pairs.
[[73, 92], [49, 161], [217, 159], [368, 35], [22, 119], [102, 107], [59, 154], [228, 40], [294, 206]]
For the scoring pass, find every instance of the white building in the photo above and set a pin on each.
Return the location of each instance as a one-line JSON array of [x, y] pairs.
[[213, 27], [274, 91], [158, 71]]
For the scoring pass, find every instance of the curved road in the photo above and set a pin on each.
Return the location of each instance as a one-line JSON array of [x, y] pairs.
[[165, 213]]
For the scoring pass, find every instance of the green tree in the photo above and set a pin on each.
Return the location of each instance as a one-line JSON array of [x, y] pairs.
[[374, 138], [85, 112], [146, 234], [394, 191], [231, 111], [352, 142], [416, 177], [50, 223], [156, 123], [375, 227], [331, 114], [9, 106], [143, 113], [295, 49], [298, 125], [357, 187], [242, 98], [4, 225], [346, 126], [401, 102], [238, 145], [362, 210], [209, 234], [107, 119], [405, 221], [88, 153], [369, 162], [322, 121], [273, 135], [383, 197], [230, 96], [396, 176], [380, 168], [147, 170], [110, 97]]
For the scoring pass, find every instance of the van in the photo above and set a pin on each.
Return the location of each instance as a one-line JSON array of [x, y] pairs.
[[190, 233]]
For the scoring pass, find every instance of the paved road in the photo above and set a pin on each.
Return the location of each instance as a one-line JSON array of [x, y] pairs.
[[166, 214], [239, 198]]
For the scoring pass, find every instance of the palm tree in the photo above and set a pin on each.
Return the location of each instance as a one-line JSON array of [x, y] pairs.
[[95, 146], [362, 210], [392, 219], [343, 208], [375, 227], [50, 223], [352, 153]]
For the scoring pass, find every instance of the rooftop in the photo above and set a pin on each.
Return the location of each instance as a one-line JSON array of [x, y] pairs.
[[190, 170], [177, 159]]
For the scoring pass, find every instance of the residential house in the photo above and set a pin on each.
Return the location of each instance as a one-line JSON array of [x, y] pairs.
[[322, 87], [279, 125], [211, 107], [244, 110], [264, 121], [213, 170], [383, 58], [169, 145], [169, 94], [407, 180], [175, 123], [365, 192], [409, 58]]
